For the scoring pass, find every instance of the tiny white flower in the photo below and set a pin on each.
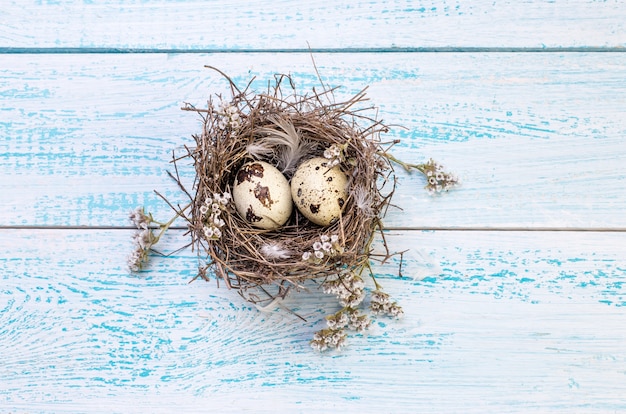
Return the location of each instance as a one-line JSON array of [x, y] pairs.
[[352, 301], [317, 246], [139, 218], [380, 297], [143, 239], [135, 259], [334, 238], [319, 254], [208, 231], [326, 246], [224, 199], [357, 283], [306, 256], [341, 343]]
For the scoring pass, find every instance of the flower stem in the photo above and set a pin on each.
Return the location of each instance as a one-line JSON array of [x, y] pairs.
[[407, 166], [165, 226]]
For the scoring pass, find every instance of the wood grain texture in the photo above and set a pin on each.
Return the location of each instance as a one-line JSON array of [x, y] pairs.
[[284, 25], [495, 321], [536, 138]]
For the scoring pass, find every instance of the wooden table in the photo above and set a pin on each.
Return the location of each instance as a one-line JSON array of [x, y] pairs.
[[514, 286]]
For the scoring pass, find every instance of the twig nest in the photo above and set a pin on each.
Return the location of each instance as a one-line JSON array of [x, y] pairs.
[[319, 190], [252, 146], [262, 195], [257, 156]]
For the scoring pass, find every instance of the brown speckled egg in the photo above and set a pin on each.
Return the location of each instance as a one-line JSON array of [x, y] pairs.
[[261, 195], [318, 192]]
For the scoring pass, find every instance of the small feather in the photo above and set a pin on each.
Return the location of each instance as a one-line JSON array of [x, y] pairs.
[[259, 150], [285, 141], [274, 251], [363, 200]]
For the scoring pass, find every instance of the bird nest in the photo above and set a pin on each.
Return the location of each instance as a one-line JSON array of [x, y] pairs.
[[285, 129], [246, 139]]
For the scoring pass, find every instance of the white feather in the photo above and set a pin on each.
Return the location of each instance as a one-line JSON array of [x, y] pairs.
[[285, 142], [259, 150], [274, 251], [363, 200]]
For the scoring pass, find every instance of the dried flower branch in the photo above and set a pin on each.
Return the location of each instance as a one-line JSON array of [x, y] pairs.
[[438, 180], [144, 238]]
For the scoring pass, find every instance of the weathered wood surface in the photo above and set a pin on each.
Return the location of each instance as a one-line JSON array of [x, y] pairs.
[[287, 25], [537, 138], [496, 320]]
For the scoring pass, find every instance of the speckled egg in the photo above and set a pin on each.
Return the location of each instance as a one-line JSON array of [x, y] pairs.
[[319, 192], [262, 195]]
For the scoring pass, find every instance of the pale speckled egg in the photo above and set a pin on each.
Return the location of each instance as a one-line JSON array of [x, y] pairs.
[[318, 192], [262, 195]]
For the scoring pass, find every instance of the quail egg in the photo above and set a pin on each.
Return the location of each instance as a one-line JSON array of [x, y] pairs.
[[262, 196], [319, 192]]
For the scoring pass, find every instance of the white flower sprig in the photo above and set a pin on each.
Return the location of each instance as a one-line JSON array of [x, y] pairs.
[[348, 318], [349, 289], [327, 246], [229, 116], [438, 179], [144, 238], [335, 154], [211, 211], [381, 304], [329, 338]]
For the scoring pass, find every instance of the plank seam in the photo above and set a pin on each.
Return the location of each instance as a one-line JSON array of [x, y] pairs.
[[449, 49], [447, 229]]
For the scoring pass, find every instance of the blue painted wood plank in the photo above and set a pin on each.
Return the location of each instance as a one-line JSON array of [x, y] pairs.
[[495, 320], [537, 139], [507, 320], [286, 25]]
